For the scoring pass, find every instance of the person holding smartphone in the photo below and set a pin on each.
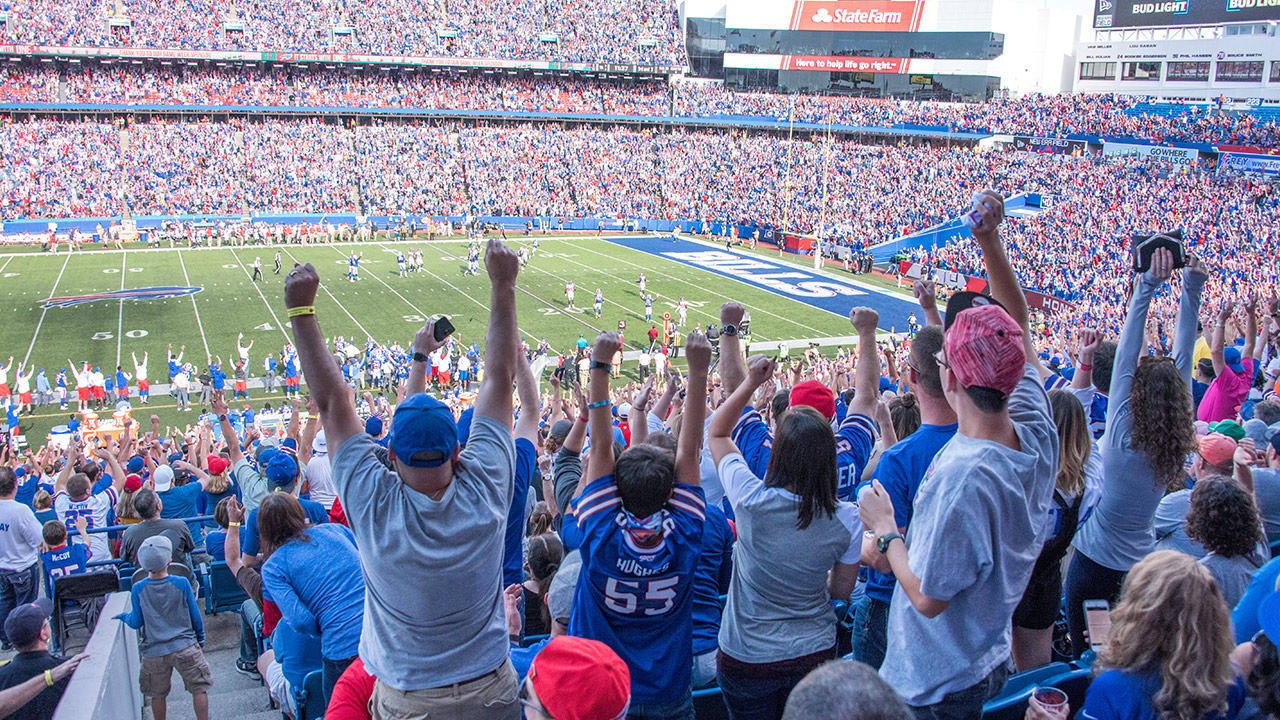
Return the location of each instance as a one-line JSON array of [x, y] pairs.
[[1150, 432]]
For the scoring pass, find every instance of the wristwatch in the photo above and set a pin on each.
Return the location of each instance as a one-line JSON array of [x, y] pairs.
[[731, 330], [419, 357], [882, 542], [600, 365]]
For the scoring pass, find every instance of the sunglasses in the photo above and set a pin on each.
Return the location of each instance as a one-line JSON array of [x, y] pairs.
[[941, 359], [531, 703]]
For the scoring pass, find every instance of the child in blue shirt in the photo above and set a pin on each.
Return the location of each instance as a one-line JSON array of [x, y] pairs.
[[166, 606], [61, 559]]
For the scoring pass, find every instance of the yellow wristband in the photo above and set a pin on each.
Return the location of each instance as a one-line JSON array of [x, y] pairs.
[[233, 524], [294, 312], [48, 678]]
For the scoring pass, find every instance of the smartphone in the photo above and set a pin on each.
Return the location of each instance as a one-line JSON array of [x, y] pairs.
[[1144, 246], [442, 328], [1097, 617]]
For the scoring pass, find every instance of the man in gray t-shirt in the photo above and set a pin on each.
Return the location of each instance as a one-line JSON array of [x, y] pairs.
[[979, 519], [431, 532]]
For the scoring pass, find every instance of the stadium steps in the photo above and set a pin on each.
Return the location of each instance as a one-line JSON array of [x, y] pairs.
[[233, 695]]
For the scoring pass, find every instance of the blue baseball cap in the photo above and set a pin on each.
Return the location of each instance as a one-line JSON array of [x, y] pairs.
[[280, 470], [373, 425], [423, 432], [464, 425], [19, 471], [1231, 355], [134, 465]]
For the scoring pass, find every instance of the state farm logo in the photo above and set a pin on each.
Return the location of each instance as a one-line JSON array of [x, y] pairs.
[[822, 16], [858, 15]]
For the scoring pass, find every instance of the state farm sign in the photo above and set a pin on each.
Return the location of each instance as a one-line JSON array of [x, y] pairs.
[[857, 15]]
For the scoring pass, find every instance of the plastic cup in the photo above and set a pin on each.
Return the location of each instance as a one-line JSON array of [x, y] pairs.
[[1051, 699]]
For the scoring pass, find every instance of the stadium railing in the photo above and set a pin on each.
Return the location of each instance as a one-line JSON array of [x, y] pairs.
[[105, 684]]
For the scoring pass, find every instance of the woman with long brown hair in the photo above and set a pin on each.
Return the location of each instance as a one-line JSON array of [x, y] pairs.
[[1149, 433], [1168, 654], [312, 572]]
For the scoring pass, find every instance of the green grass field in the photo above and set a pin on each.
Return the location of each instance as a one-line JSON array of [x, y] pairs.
[[382, 305]]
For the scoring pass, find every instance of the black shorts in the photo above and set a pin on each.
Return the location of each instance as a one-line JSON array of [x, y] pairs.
[[1042, 601]]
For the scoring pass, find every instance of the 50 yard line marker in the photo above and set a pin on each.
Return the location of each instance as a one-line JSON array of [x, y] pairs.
[[52, 293], [199, 324]]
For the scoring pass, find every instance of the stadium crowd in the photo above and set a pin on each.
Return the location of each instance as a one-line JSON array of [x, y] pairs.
[[1031, 114], [603, 551], [636, 31]]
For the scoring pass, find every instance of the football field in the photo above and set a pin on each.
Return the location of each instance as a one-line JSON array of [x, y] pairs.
[[102, 306]]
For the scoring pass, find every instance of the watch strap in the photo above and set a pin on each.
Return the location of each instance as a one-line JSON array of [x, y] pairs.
[[883, 542], [600, 365], [731, 330], [419, 357]]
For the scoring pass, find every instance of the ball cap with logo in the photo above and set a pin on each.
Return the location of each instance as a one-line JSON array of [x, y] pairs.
[[423, 432], [580, 679], [983, 343], [23, 625]]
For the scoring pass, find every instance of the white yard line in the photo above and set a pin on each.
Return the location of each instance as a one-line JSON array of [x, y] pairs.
[[120, 323], [279, 325], [342, 307], [199, 324], [52, 293]]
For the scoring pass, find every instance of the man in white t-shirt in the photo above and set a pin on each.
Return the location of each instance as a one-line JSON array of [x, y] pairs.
[[72, 500], [317, 473]]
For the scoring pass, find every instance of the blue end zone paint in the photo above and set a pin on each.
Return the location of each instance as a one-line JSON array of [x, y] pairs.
[[951, 231], [817, 290]]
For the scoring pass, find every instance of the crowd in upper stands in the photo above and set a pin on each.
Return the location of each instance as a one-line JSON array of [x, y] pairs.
[[1045, 115], [615, 31]]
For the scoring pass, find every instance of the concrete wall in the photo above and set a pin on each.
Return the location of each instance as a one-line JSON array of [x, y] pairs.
[[105, 686]]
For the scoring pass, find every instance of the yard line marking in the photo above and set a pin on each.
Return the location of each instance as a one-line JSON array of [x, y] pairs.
[[789, 321], [279, 326], [337, 302], [52, 293], [567, 313], [120, 323], [199, 324]]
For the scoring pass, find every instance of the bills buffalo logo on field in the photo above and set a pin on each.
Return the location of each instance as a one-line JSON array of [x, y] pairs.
[[135, 294]]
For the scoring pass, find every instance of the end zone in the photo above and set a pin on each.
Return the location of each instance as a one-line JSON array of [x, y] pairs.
[[817, 289]]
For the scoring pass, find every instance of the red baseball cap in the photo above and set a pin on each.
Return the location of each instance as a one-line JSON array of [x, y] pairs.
[[1216, 448], [983, 343], [580, 679], [132, 483], [217, 464], [815, 395]]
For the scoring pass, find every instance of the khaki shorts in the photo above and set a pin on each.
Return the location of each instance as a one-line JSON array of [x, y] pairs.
[[492, 696], [153, 679]]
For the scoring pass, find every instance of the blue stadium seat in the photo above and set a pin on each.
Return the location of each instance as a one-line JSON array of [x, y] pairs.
[[708, 704], [221, 591], [1075, 683], [1011, 704], [310, 699]]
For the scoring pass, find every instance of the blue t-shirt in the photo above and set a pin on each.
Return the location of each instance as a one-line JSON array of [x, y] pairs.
[[215, 544], [1119, 695], [522, 657], [180, 502], [319, 587], [249, 533], [1244, 618], [855, 438], [637, 597], [28, 488], [66, 559], [711, 580], [513, 549], [901, 470], [218, 377], [1098, 415], [206, 501]]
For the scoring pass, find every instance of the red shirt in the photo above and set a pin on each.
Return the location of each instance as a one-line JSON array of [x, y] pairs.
[[350, 697]]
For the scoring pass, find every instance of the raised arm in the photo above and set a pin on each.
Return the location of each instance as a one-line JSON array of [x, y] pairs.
[[733, 369], [1090, 339], [1250, 326], [866, 374], [309, 432], [1218, 342], [927, 296], [1004, 284], [231, 549], [689, 446], [502, 341], [1132, 337], [599, 417], [530, 403], [720, 432], [640, 413], [424, 343], [113, 467], [333, 397], [218, 404], [1184, 337]]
